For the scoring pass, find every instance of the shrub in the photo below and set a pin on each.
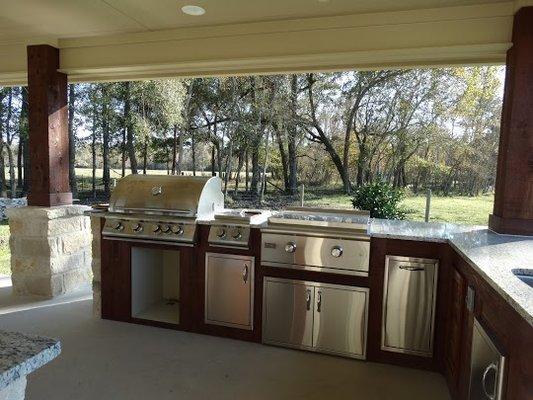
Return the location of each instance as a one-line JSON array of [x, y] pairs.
[[381, 199]]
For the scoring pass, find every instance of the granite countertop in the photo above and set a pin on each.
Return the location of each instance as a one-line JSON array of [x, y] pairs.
[[21, 354], [492, 255]]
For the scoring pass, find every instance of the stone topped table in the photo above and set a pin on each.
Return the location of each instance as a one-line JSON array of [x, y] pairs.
[[20, 355]]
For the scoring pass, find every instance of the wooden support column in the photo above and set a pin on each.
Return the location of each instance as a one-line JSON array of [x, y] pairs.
[[48, 129], [513, 203]]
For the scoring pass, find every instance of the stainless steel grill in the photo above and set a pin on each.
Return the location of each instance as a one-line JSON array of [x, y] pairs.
[[327, 240], [161, 208]]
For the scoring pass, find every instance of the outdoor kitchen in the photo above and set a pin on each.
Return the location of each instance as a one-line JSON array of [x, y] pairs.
[[304, 199], [322, 280]]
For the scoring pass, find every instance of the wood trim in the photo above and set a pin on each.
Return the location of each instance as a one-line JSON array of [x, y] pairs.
[[513, 200], [512, 226], [48, 129]]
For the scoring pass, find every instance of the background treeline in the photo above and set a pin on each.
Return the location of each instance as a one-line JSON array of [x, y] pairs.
[[423, 129]]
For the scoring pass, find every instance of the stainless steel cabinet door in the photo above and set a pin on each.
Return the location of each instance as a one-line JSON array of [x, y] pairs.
[[340, 320], [288, 313], [487, 366], [409, 305], [229, 290]]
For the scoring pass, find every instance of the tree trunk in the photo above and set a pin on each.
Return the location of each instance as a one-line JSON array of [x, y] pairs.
[[123, 151], [145, 155], [12, 180], [105, 152], [265, 166], [174, 149], [129, 126], [283, 155], [247, 170], [19, 163], [291, 143], [23, 137], [179, 166], [93, 151], [193, 154], [72, 141], [240, 162], [213, 160]]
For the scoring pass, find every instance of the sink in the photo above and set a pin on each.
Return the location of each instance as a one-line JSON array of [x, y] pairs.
[[525, 275]]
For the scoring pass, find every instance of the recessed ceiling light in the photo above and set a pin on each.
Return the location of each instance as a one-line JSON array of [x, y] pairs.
[[193, 10]]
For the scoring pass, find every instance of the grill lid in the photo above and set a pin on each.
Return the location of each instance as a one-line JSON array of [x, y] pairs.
[[184, 196]]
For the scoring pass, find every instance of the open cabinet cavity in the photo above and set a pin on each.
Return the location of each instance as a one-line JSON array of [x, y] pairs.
[[155, 285]]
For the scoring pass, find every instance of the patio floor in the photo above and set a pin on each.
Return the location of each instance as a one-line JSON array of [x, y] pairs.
[[108, 360]]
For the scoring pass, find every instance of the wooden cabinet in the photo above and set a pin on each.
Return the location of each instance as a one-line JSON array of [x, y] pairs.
[[455, 329]]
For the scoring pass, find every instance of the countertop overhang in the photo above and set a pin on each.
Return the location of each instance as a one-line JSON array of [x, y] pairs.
[[21, 354]]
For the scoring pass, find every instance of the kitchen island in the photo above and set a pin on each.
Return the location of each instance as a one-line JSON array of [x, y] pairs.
[[20, 355]]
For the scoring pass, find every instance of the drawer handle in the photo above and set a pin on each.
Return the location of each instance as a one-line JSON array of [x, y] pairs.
[[245, 273], [494, 368], [410, 268], [319, 301], [308, 299]]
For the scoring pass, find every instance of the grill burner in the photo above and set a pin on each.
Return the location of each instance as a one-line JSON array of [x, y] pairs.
[[161, 208], [231, 228]]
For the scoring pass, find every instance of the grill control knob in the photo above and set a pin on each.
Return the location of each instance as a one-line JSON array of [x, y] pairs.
[[221, 233], [290, 247], [336, 251], [156, 229], [118, 226], [177, 229], [167, 229], [237, 234], [137, 228]]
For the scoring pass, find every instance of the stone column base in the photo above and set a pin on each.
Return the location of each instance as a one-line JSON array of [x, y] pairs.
[[96, 227], [50, 249], [15, 391]]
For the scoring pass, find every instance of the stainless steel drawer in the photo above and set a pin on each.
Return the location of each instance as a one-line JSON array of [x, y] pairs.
[[409, 295], [341, 256]]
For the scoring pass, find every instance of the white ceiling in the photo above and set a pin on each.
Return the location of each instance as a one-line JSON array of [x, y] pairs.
[[22, 20]]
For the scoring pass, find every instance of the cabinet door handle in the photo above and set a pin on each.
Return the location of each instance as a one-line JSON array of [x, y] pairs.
[[245, 273], [319, 301], [308, 299], [490, 367], [411, 268]]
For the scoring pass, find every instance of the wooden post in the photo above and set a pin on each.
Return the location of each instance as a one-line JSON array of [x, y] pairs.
[[48, 129], [513, 202], [428, 205]]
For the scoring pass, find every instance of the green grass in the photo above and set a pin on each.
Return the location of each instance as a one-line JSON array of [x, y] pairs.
[[455, 209], [5, 255]]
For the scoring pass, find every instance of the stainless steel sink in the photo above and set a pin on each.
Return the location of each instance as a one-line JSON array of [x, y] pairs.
[[525, 275]]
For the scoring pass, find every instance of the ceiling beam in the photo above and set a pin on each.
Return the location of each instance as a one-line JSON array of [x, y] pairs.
[[429, 37]]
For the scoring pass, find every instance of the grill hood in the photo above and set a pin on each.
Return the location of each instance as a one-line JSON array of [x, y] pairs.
[[183, 196]]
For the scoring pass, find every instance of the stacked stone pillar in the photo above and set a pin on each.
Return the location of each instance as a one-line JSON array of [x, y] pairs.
[[50, 249], [96, 228]]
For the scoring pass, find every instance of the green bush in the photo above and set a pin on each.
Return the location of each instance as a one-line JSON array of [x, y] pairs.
[[381, 199]]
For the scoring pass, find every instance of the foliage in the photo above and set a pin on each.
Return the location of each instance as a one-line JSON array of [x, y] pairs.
[[380, 198]]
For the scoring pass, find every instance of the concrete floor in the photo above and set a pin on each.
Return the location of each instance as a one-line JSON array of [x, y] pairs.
[[108, 360]]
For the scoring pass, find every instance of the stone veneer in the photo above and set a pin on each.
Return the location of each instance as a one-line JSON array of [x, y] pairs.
[[50, 249], [96, 265]]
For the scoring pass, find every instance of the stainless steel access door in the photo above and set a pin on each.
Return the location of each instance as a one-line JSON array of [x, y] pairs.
[[487, 367], [288, 313], [409, 294], [229, 282], [340, 320]]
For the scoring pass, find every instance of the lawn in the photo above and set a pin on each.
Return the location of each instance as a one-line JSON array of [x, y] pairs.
[[5, 256], [456, 209]]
